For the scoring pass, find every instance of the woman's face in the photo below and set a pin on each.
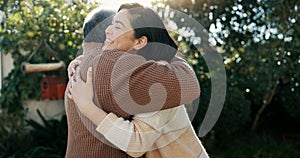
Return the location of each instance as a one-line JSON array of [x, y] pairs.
[[120, 34]]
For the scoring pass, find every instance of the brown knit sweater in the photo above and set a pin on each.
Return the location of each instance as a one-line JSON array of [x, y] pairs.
[[123, 84]]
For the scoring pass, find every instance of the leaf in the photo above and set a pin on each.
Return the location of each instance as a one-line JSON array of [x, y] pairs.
[[15, 17]]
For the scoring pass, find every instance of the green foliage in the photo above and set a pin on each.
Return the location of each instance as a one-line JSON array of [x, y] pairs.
[[41, 151], [256, 146], [50, 137], [259, 41], [235, 114], [38, 32], [13, 135], [290, 103], [18, 86], [260, 49], [20, 138]]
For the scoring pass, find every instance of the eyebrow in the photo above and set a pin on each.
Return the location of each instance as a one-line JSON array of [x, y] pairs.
[[119, 22]]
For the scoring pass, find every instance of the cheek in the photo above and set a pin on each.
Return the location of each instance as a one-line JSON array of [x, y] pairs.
[[121, 44]]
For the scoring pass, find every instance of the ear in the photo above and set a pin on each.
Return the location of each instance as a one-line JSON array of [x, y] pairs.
[[141, 42]]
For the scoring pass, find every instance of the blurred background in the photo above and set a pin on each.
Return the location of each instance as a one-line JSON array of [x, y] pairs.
[[259, 41]]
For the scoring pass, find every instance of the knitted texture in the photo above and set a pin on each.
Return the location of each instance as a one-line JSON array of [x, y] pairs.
[[81, 142], [123, 84], [132, 85], [83, 139], [163, 134]]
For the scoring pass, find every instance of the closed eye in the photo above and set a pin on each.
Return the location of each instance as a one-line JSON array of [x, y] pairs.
[[120, 23]]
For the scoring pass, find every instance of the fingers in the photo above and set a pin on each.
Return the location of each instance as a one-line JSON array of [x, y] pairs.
[[73, 64], [70, 70], [79, 58], [71, 83], [77, 74], [70, 96], [89, 76], [70, 89]]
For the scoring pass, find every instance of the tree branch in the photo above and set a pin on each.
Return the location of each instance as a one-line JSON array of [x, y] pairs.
[[263, 107], [50, 50]]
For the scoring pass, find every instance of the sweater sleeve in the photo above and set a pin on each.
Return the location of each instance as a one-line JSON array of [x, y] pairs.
[[166, 85], [139, 135], [131, 85]]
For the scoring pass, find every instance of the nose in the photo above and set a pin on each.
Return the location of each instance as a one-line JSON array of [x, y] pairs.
[[108, 30]]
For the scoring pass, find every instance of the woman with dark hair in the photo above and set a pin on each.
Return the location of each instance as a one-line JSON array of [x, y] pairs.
[[153, 28], [141, 57]]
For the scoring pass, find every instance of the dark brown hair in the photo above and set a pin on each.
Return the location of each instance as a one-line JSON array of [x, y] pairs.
[[94, 28], [147, 23]]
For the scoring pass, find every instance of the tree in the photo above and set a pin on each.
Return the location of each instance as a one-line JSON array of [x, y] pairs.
[[259, 41], [38, 32], [35, 31]]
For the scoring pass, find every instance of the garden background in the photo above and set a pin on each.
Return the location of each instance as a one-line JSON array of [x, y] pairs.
[[259, 41]]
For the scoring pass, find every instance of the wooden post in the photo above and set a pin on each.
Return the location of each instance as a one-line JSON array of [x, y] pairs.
[[28, 68]]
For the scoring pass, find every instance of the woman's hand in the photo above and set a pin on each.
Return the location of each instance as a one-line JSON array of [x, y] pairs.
[[73, 64], [82, 94]]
